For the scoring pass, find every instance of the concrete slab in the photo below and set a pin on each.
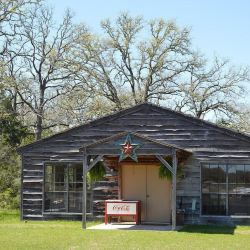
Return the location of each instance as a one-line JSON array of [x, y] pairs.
[[121, 226]]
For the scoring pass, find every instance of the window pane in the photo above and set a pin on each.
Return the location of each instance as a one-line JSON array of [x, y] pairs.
[[245, 204], [75, 177], [222, 204], [205, 188], [75, 172], [239, 189], [75, 202], [214, 188], [243, 189], [205, 173], [247, 174], [55, 186], [48, 172], [75, 186], [222, 188], [213, 204], [55, 177], [60, 173], [232, 188], [55, 201], [240, 178], [213, 173], [214, 200], [222, 170], [233, 204], [206, 204], [232, 173], [239, 204]]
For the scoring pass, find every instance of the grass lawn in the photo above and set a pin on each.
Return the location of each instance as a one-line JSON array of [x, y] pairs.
[[15, 234]]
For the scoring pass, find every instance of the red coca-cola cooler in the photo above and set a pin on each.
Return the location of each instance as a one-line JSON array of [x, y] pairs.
[[121, 208]]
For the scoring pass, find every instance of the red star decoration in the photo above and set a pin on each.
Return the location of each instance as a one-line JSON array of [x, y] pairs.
[[127, 148]]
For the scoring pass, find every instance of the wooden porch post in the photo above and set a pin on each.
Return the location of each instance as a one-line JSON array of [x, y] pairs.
[[174, 163], [84, 189]]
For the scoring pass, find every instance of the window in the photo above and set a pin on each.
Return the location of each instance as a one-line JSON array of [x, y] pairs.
[[75, 188], [239, 189], [214, 189], [63, 187], [225, 189]]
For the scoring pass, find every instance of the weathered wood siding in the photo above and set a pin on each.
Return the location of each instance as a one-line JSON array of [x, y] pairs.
[[188, 190], [207, 142]]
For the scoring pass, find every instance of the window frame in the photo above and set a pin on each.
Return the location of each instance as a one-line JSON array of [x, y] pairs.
[[67, 163], [213, 183], [226, 163]]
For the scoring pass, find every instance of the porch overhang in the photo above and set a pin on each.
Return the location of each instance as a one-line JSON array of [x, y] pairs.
[[110, 147], [149, 146]]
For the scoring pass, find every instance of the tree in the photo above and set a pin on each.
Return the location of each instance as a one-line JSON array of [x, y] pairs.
[[46, 65], [11, 134], [135, 61], [63, 75], [215, 89], [10, 11], [9, 177], [239, 121], [11, 130], [79, 106]]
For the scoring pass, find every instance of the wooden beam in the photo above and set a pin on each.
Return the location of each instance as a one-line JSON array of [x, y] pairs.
[[112, 151], [21, 193], [165, 163], [97, 159], [174, 160], [84, 189]]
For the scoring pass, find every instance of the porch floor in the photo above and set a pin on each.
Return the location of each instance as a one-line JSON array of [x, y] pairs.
[[126, 226]]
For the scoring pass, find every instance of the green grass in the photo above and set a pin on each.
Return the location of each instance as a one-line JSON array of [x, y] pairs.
[[15, 234]]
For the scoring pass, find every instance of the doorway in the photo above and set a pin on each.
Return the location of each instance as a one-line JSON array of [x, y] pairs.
[[142, 182]]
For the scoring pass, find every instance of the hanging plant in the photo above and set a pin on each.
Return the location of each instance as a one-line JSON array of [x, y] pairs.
[[97, 173], [165, 173]]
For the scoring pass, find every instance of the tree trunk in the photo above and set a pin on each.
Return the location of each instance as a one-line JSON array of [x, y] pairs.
[[39, 116], [39, 129]]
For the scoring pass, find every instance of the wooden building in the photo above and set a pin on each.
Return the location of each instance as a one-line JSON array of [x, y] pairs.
[[214, 184]]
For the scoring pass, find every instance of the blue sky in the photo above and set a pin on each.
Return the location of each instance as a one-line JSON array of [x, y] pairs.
[[218, 27]]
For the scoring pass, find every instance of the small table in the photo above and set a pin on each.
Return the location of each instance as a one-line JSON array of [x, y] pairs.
[[123, 208]]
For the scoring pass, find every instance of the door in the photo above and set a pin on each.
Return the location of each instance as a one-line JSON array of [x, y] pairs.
[[141, 182], [158, 196]]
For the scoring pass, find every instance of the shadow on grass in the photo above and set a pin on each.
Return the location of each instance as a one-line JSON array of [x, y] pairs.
[[208, 229]]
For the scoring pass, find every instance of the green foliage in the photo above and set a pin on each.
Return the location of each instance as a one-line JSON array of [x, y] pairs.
[[97, 172], [11, 130], [165, 173], [11, 134], [9, 177], [9, 199]]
